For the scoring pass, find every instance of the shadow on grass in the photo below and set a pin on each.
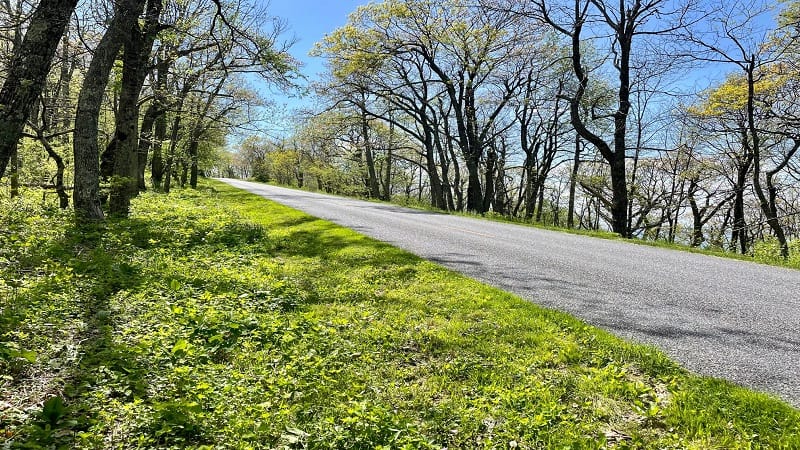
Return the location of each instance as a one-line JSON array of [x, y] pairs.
[[298, 234], [102, 272]]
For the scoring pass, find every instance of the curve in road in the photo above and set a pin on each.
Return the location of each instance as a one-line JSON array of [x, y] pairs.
[[724, 318]]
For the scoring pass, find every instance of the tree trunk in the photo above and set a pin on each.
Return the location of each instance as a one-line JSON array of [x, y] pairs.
[[773, 207], [372, 178], [739, 233], [540, 201], [168, 174], [193, 154], [614, 154], [488, 195], [432, 169], [573, 182], [444, 162], [145, 143], [200, 127], [474, 191], [160, 126], [90, 99], [557, 210], [697, 215], [456, 178], [64, 117], [123, 159], [14, 172], [767, 207], [63, 198], [468, 138], [387, 185], [184, 176], [530, 187], [633, 190], [500, 199], [176, 125], [619, 195], [28, 71], [157, 162], [137, 47], [474, 151]]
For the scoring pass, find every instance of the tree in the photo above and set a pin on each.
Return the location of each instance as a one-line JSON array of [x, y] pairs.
[[86, 148], [28, 70], [540, 114], [235, 43], [137, 47], [466, 55], [625, 22], [754, 99], [199, 45], [704, 197]]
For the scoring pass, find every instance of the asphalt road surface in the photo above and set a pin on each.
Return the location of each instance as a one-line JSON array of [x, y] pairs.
[[725, 318]]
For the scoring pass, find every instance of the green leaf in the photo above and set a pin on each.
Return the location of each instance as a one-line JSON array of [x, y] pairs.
[[53, 409], [180, 347], [28, 355], [174, 284]]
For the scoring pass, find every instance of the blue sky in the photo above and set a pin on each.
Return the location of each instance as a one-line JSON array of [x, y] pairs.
[[309, 21]]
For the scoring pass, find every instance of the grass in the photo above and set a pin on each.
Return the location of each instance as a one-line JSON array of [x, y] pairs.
[[217, 319]]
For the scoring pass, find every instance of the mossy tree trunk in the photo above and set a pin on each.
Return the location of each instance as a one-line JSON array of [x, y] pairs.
[[85, 147], [137, 49], [28, 71]]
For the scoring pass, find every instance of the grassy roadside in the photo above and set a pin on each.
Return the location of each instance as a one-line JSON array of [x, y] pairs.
[[216, 319]]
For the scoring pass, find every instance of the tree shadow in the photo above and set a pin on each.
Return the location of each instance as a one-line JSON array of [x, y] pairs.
[[103, 272]]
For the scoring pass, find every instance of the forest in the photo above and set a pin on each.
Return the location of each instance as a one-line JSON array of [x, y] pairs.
[[101, 99]]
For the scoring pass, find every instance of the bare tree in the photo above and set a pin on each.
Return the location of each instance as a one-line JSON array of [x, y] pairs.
[[625, 22], [741, 43]]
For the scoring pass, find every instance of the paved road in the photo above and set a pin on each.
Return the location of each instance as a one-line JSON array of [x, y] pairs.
[[719, 317]]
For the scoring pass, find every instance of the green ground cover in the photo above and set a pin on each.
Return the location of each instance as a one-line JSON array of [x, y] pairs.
[[217, 319]]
